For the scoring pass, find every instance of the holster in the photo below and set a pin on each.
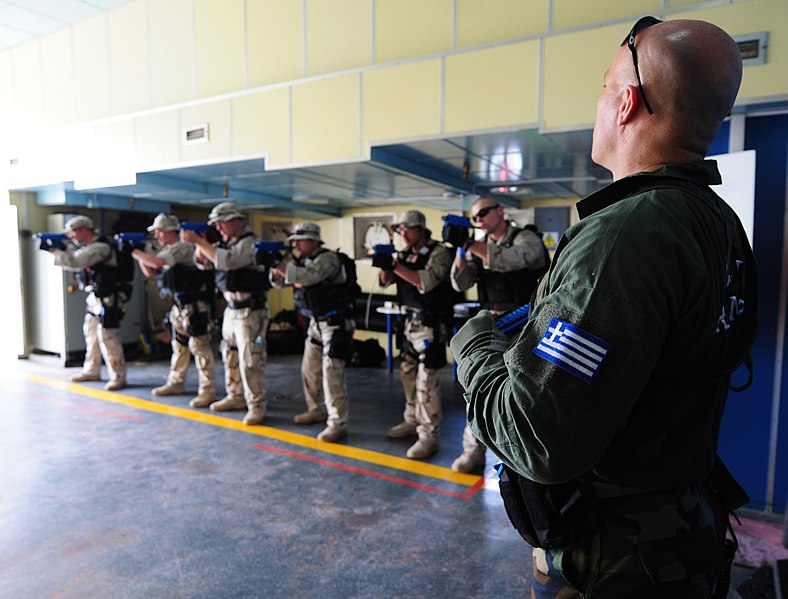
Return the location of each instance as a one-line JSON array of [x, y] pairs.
[[548, 516], [341, 346]]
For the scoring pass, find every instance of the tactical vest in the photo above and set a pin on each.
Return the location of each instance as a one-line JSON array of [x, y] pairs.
[[101, 278], [436, 304], [323, 298], [512, 289], [185, 282], [248, 279]]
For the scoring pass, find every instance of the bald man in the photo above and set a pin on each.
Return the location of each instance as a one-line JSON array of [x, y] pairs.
[[606, 408]]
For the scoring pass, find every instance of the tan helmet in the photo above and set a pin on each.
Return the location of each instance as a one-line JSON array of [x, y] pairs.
[[78, 222], [305, 230], [412, 218], [224, 212], [165, 222]]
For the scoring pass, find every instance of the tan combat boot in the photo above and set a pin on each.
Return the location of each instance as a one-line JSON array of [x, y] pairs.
[[204, 399], [229, 403], [402, 430], [310, 417], [254, 416], [84, 377], [168, 388], [332, 434], [423, 448], [469, 461], [115, 384]]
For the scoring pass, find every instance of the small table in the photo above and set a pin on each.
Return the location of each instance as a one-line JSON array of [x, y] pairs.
[[388, 311]]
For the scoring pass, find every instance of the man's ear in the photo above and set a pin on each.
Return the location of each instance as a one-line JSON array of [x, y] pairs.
[[629, 101]]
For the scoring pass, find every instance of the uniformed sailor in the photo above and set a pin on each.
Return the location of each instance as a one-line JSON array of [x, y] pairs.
[[322, 294], [244, 285], [506, 266], [609, 401], [191, 292], [421, 272], [93, 258]]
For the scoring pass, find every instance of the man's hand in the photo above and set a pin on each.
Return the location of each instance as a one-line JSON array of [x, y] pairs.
[[49, 244], [383, 261], [189, 236]]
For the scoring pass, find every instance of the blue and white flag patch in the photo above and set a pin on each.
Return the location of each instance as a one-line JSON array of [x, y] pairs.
[[572, 349]]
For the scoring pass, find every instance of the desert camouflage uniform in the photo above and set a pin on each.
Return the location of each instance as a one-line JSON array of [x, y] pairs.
[[184, 345], [100, 341], [244, 326], [321, 372], [517, 250], [421, 383], [641, 288]]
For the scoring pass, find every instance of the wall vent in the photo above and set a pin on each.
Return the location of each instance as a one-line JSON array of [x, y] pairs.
[[753, 47], [195, 135]]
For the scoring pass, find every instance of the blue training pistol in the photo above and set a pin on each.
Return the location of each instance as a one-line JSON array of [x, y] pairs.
[[197, 227], [514, 320], [456, 220], [131, 240]]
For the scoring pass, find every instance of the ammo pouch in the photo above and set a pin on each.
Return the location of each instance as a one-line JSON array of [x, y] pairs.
[[198, 324], [435, 355], [548, 516], [341, 346]]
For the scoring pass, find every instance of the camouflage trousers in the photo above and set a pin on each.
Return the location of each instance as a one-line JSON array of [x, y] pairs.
[[184, 346], [664, 544], [323, 374], [244, 353], [101, 342], [420, 383]]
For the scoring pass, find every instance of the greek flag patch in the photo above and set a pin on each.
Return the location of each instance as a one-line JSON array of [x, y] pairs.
[[572, 349]]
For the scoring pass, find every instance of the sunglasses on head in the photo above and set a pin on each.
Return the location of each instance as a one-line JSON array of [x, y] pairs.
[[484, 212], [643, 23]]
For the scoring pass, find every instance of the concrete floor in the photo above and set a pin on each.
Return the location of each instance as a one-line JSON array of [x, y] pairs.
[[122, 495]]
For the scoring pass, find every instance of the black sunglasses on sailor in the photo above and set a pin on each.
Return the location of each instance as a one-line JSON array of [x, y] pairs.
[[643, 23], [483, 212]]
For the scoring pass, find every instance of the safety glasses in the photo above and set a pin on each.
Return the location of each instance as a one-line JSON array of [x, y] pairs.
[[483, 212], [643, 23]]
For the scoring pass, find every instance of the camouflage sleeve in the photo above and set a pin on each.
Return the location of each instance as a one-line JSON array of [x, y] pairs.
[[436, 270], [525, 252], [178, 253], [464, 279], [239, 255], [324, 267], [83, 257]]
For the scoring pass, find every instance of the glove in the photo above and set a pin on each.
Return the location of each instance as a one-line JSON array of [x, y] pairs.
[[384, 261], [268, 259], [48, 245], [455, 235]]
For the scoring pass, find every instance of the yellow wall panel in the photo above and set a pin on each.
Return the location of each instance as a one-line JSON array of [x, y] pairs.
[[274, 41], [325, 120], [91, 68], [486, 21], [128, 57], [402, 101], [171, 25], [680, 3], [482, 91], [261, 125], [752, 17], [217, 115], [407, 28], [26, 88], [338, 35], [157, 139], [219, 46], [58, 77], [574, 13], [574, 66]]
